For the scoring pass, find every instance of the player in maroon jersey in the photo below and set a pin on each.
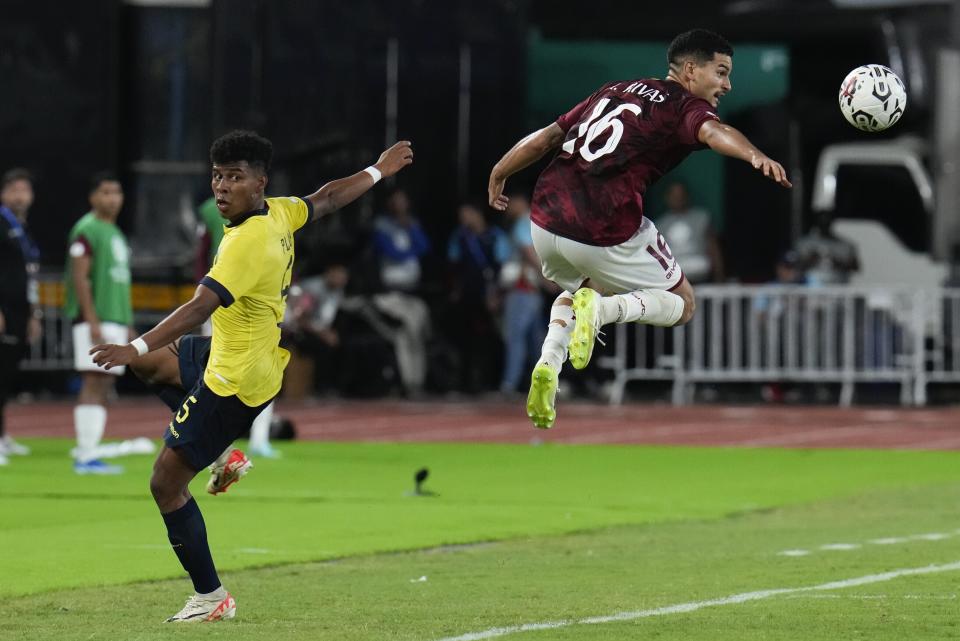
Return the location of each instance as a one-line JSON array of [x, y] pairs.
[[587, 219]]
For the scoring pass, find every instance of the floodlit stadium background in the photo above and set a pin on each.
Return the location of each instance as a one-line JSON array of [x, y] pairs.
[[740, 453]]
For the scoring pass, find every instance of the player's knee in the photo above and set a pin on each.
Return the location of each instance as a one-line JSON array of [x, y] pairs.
[[689, 307], [165, 493], [158, 489]]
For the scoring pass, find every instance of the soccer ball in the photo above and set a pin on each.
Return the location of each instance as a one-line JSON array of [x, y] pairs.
[[872, 98]]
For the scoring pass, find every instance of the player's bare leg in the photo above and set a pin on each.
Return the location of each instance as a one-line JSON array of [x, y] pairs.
[[159, 367], [160, 371], [188, 537], [541, 401]]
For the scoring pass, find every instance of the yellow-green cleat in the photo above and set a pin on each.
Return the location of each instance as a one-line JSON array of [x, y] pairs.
[[541, 402], [586, 310]]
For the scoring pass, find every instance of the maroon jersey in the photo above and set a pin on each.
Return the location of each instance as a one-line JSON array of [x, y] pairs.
[[619, 141]]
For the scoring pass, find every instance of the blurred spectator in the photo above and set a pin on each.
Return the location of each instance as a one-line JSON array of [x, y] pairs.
[[476, 252], [399, 242], [691, 236], [312, 308], [828, 260], [19, 313], [523, 317], [789, 271], [773, 321]]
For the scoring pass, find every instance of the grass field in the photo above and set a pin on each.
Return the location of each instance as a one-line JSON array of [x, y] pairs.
[[577, 542]]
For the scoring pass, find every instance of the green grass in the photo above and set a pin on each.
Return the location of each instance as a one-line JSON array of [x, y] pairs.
[[589, 531]]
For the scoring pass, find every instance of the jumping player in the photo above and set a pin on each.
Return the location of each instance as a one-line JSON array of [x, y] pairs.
[[587, 217], [245, 291]]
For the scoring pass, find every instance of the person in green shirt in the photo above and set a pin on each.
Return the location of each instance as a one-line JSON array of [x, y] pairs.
[[98, 303], [211, 233]]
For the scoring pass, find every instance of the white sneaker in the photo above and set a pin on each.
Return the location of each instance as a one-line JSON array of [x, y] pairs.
[[226, 472], [9, 446], [4, 460], [201, 609]]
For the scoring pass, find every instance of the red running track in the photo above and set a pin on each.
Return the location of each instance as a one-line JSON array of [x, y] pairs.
[[578, 423]]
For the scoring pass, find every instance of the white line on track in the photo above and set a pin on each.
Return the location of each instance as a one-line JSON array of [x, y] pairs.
[[681, 608]]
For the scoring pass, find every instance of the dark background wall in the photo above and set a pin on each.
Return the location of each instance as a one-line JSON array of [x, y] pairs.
[[59, 91], [143, 90]]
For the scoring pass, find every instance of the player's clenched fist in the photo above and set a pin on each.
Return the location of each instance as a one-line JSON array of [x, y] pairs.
[[395, 158]]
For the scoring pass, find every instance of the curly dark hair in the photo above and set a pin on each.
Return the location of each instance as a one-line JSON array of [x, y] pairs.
[[240, 145], [698, 44]]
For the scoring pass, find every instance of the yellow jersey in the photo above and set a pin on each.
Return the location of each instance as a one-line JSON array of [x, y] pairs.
[[251, 275]]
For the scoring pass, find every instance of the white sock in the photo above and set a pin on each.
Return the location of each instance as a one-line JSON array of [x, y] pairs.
[[89, 421], [219, 594], [647, 306], [558, 334], [260, 431]]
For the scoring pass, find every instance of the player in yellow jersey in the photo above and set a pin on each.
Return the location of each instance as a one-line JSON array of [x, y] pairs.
[[245, 291]]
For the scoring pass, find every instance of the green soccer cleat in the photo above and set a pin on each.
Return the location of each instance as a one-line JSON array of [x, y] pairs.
[[586, 311], [541, 402]]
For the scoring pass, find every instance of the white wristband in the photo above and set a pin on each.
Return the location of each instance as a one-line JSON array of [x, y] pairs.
[[374, 173], [140, 345]]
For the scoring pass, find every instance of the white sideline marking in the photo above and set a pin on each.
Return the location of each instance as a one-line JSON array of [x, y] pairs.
[[681, 608], [877, 597], [840, 546], [890, 540], [932, 536]]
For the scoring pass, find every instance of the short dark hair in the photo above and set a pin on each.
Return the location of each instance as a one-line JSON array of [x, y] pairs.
[[698, 44], [15, 174], [241, 145], [101, 177]]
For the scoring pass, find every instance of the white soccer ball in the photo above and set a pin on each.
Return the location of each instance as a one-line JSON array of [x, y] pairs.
[[872, 98]]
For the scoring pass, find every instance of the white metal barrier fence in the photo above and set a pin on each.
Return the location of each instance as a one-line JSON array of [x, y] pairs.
[[54, 350], [769, 333], [743, 333]]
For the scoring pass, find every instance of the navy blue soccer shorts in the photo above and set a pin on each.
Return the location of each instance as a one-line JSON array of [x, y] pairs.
[[206, 423]]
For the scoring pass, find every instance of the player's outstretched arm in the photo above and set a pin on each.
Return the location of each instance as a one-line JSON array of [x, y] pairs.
[[179, 322], [728, 141], [523, 154], [339, 193]]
